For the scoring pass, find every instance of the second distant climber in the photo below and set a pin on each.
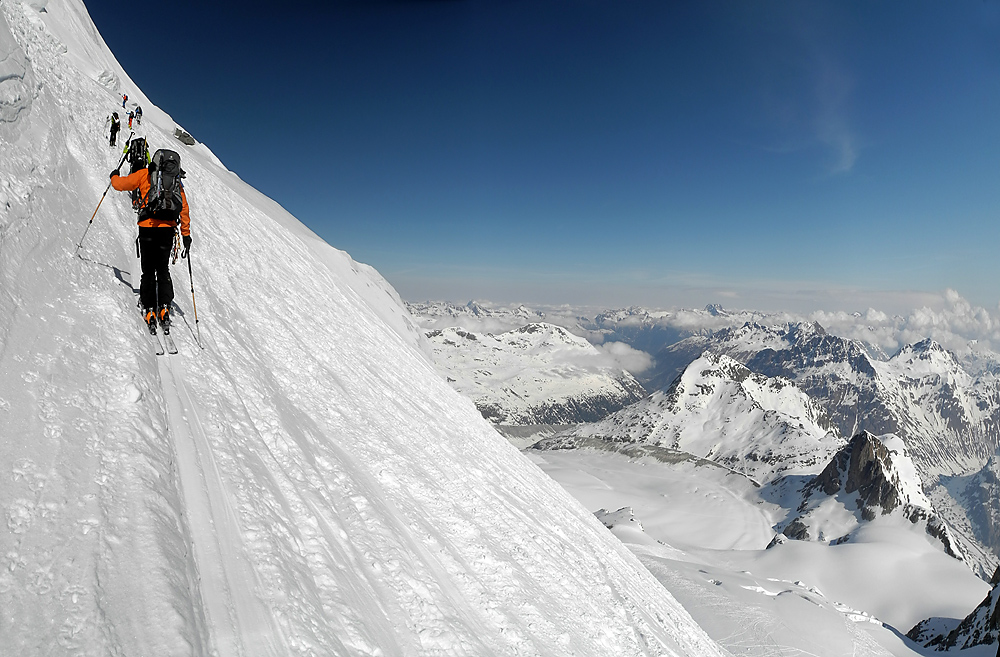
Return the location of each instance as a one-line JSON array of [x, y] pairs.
[[163, 206], [116, 125]]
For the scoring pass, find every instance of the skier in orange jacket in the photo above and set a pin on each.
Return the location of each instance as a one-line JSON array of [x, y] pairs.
[[156, 239]]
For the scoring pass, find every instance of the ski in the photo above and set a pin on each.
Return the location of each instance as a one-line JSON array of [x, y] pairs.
[[155, 339], [171, 347]]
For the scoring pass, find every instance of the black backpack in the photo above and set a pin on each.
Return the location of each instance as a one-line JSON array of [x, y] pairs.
[[164, 199], [138, 154], [138, 158]]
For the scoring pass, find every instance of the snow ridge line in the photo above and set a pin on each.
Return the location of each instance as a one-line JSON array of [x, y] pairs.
[[239, 623]]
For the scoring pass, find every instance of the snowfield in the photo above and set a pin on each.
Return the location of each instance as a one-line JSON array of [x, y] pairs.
[[532, 375], [704, 534], [305, 484]]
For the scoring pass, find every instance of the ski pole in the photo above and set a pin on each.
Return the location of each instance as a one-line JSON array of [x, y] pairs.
[[187, 255], [120, 163]]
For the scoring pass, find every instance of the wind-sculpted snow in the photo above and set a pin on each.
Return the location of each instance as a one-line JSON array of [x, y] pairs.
[[720, 410], [535, 374], [16, 78], [306, 484]]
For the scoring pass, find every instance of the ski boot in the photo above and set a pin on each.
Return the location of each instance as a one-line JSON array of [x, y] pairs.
[[163, 316], [150, 318]]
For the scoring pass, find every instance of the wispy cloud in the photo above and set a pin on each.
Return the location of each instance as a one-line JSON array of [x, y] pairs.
[[834, 89]]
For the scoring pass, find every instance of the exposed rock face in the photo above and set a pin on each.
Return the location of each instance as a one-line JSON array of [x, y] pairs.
[[863, 467], [869, 478], [981, 627], [947, 411], [982, 498]]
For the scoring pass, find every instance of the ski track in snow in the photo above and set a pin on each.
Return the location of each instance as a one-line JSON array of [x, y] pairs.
[[238, 621]]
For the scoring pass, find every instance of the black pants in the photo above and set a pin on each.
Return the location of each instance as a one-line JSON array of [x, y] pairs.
[[114, 136], [156, 289]]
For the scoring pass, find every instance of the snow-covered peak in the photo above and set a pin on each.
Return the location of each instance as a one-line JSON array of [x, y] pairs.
[[631, 315], [718, 409], [877, 468], [715, 309], [925, 357], [899, 469], [870, 480], [535, 374]]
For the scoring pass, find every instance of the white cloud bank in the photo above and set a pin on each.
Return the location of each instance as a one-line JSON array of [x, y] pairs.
[[957, 325], [625, 357], [946, 317]]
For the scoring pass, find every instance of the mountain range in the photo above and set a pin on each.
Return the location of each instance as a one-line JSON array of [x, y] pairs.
[[535, 374]]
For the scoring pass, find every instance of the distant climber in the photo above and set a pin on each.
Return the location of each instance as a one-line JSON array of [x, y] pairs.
[[131, 117], [163, 205], [116, 125], [124, 100], [138, 115]]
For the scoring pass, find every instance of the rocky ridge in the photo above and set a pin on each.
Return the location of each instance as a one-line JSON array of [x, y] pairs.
[[981, 627], [871, 477]]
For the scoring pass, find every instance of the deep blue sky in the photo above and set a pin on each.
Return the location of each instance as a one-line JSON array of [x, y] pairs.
[[778, 155]]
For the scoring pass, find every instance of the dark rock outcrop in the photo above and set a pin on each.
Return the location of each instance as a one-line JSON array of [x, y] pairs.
[[862, 466], [981, 627], [863, 471]]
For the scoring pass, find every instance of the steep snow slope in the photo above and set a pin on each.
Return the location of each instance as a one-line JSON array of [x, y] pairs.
[[304, 485], [535, 374]]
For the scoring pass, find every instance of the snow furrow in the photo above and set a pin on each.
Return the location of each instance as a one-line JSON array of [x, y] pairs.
[[227, 581]]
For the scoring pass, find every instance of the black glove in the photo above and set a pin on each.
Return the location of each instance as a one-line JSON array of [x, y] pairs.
[[187, 245], [116, 172]]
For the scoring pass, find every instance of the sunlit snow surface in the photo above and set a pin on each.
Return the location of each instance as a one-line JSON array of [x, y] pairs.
[[704, 536], [306, 484]]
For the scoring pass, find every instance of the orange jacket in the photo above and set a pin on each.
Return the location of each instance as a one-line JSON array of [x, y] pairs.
[[140, 180]]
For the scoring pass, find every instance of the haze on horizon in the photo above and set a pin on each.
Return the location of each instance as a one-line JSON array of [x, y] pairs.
[[788, 156]]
